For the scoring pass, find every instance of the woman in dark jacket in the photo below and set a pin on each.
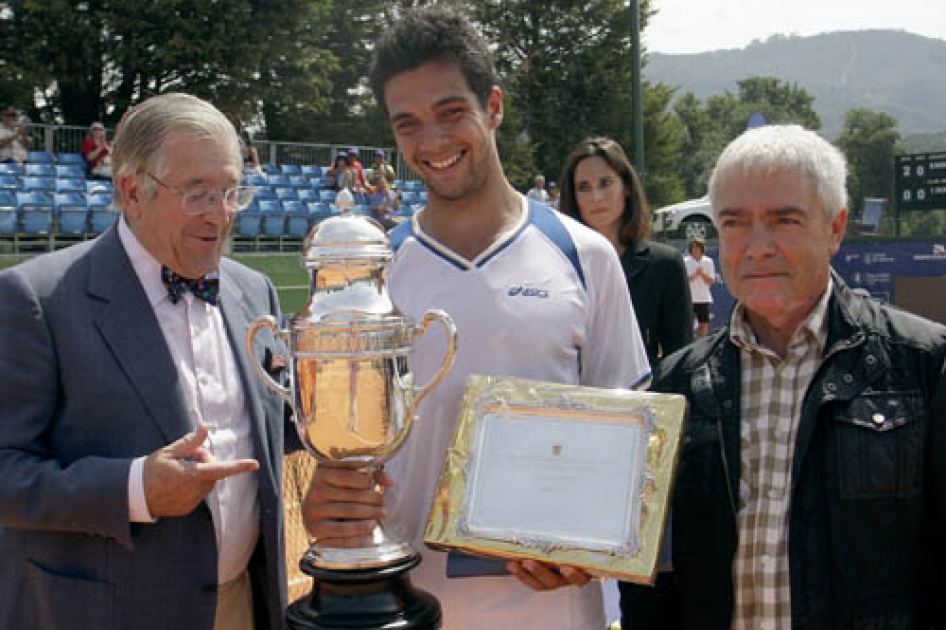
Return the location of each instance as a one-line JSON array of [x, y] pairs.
[[601, 189]]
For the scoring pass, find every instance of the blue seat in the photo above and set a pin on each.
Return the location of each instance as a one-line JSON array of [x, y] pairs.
[[7, 181], [10, 168], [263, 192], [298, 181], [326, 182], [297, 225], [312, 171], [66, 185], [319, 210], [8, 223], [37, 183], [408, 196], [69, 171], [101, 218], [7, 198], [34, 198], [361, 199], [91, 185], [73, 220], [422, 195], [71, 159], [271, 169], [40, 157], [277, 180], [99, 200], [293, 206], [40, 170], [270, 206], [290, 169], [328, 196], [274, 224], [307, 194], [249, 223], [36, 220], [285, 193], [253, 178]]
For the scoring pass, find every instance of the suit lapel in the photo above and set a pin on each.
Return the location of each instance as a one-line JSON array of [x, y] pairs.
[[127, 323], [234, 308], [636, 258]]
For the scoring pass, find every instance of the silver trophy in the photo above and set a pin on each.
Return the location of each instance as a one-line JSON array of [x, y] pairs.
[[351, 390]]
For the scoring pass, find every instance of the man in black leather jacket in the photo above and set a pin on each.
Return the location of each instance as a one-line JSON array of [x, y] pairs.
[[864, 519]]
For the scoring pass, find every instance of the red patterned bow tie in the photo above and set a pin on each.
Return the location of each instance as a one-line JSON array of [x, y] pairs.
[[207, 289]]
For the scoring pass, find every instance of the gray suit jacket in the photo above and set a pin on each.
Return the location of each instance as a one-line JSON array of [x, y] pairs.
[[86, 385]]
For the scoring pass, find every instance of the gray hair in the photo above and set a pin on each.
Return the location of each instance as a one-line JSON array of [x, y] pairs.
[[145, 129], [785, 148]]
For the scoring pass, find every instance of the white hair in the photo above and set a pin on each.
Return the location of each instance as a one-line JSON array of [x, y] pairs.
[[144, 131], [774, 149]]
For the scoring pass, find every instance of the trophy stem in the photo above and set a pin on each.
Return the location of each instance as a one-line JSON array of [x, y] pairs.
[[370, 599], [380, 551]]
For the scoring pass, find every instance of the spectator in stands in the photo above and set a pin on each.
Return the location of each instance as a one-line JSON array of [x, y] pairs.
[[601, 189], [554, 195], [13, 139], [382, 201], [360, 182], [133, 429], [97, 151], [538, 191], [342, 173], [702, 274], [381, 166], [495, 260], [250, 154]]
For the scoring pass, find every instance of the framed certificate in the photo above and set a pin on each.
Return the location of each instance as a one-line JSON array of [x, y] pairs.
[[559, 473]]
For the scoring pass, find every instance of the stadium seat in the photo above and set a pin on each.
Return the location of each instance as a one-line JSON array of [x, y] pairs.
[[65, 185], [328, 196], [319, 211], [253, 178], [408, 196], [307, 194], [37, 183], [7, 221], [99, 200], [73, 213], [94, 185], [249, 223], [285, 193], [271, 169], [297, 224], [270, 206], [293, 206], [277, 180], [298, 181], [7, 199], [7, 181], [9, 168], [40, 157], [40, 170], [422, 195], [101, 218], [69, 171], [263, 192], [326, 182], [274, 224], [312, 171], [290, 169], [74, 159], [36, 214]]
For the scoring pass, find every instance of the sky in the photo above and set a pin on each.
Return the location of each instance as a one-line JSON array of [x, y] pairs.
[[689, 26]]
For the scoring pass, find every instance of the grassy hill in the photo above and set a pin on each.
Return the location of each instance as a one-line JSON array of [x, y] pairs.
[[884, 70]]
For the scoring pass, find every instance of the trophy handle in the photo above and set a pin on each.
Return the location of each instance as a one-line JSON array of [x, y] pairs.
[[267, 321], [436, 315]]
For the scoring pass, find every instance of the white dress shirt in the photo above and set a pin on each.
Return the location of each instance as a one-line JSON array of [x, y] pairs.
[[213, 395]]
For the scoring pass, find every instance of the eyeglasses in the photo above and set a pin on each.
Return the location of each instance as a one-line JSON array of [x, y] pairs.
[[203, 200]]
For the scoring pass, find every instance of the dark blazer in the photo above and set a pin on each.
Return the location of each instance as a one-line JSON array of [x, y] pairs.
[[660, 292], [87, 384]]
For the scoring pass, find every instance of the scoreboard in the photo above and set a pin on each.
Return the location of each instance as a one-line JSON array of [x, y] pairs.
[[921, 181]]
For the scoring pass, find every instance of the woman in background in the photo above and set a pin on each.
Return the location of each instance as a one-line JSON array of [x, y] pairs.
[[600, 189]]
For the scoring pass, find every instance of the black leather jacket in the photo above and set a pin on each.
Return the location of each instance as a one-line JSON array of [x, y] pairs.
[[867, 525]]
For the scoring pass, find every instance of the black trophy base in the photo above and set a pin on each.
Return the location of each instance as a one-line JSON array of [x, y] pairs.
[[368, 599]]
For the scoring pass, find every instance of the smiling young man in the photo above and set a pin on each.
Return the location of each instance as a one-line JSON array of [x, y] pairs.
[[811, 489], [140, 454], [533, 294]]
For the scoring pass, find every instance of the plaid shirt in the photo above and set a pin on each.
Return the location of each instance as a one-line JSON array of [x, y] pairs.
[[772, 392]]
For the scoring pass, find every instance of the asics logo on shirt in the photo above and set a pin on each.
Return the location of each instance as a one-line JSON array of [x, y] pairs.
[[521, 291]]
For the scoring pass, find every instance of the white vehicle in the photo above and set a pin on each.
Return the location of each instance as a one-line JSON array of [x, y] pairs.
[[685, 219]]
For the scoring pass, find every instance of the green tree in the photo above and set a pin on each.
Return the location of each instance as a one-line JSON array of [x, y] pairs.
[[91, 59], [870, 141]]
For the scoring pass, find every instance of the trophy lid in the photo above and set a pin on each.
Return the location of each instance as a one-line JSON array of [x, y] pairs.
[[346, 238]]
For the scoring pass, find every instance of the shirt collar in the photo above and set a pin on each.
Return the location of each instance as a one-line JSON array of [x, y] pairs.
[[146, 266], [814, 328]]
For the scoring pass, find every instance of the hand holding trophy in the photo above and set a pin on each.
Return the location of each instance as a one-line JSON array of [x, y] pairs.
[[353, 398]]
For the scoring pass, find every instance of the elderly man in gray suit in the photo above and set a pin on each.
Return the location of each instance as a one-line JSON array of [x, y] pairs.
[[139, 456]]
